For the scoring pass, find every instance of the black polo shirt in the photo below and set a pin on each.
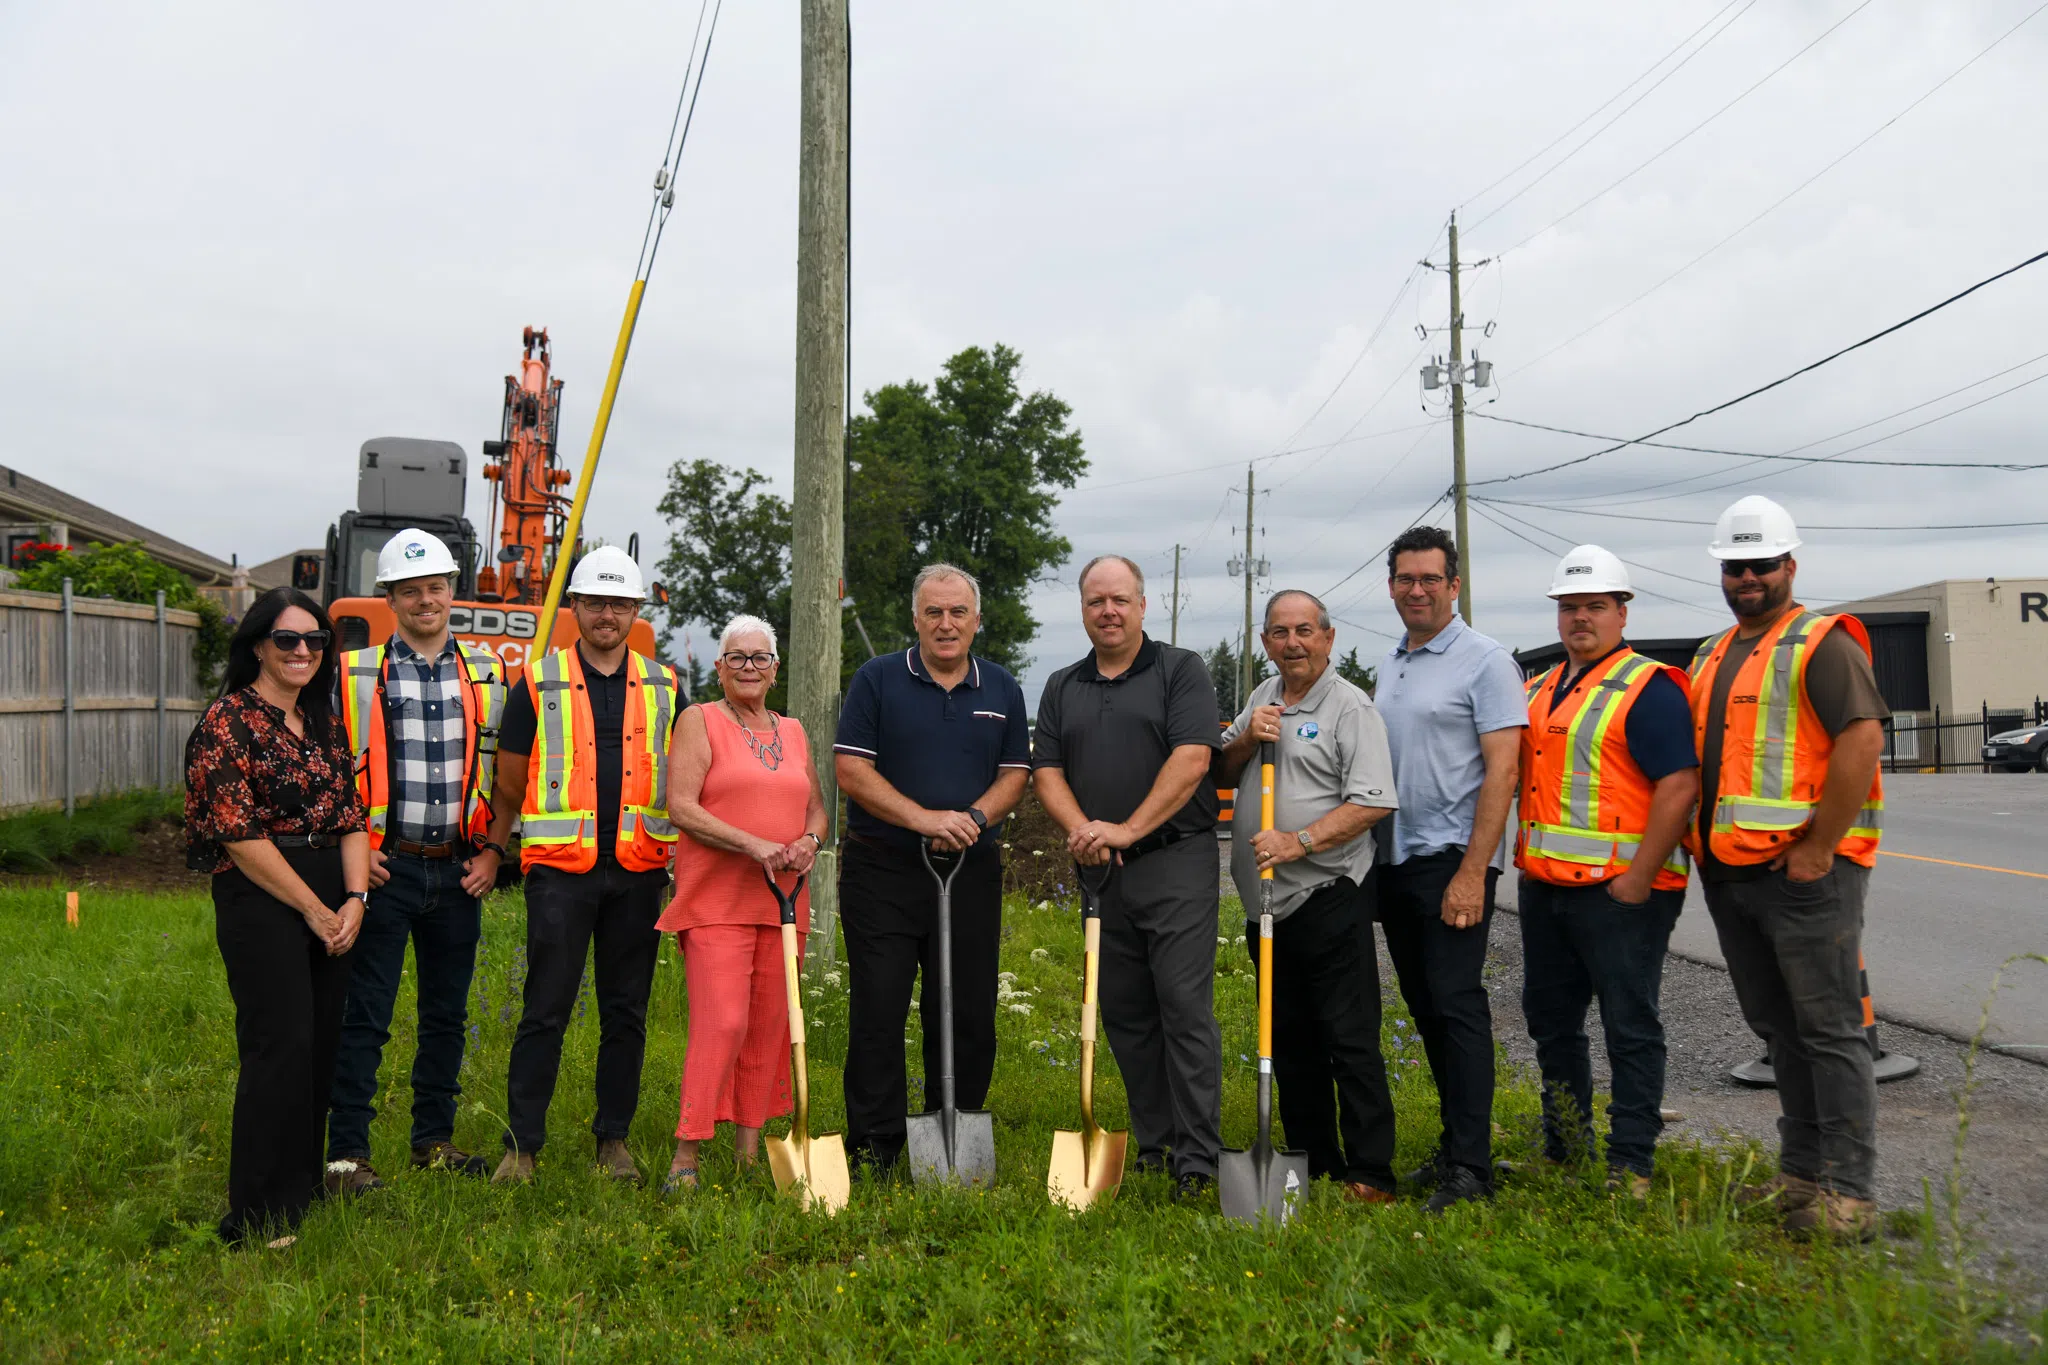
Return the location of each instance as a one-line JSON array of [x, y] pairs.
[[1111, 736], [940, 748], [607, 738]]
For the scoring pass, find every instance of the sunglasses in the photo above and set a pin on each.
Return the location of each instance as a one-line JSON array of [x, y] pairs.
[[1736, 568], [288, 641]]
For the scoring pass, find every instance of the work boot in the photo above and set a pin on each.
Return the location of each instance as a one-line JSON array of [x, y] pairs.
[[615, 1161], [1621, 1180], [446, 1156], [349, 1177], [1191, 1187], [1358, 1192], [1458, 1185], [515, 1169], [1834, 1215], [1782, 1192], [1428, 1173]]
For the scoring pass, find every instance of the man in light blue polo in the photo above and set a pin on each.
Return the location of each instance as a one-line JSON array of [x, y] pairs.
[[1455, 709]]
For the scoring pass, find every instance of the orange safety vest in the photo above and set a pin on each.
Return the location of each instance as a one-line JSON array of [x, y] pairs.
[[368, 723], [558, 819], [1585, 804], [1774, 751]]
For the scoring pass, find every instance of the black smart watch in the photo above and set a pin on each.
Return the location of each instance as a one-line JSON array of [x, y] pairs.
[[980, 820]]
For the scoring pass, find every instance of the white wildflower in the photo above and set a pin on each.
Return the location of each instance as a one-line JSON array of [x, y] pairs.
[[1040, 955], [1020, 1009], [831, 978], [1006, 976]]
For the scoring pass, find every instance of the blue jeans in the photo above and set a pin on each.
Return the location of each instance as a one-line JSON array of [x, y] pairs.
[[424, 902], [1579, 943]]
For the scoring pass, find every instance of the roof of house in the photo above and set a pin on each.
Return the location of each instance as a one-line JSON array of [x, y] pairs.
[[23, 498]]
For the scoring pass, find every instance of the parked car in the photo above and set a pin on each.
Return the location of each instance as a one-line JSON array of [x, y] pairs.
[[2019, 751]]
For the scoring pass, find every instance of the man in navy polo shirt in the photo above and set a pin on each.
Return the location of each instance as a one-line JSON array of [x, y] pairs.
[[932, 746]]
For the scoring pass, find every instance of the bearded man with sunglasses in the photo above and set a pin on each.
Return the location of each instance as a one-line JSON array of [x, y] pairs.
[[583, 765], [1789, 723], [422, 713]]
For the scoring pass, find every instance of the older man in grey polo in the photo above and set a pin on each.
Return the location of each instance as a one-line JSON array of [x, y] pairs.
[[1333, 781]]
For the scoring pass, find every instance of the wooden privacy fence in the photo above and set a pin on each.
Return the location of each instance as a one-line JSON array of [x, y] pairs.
[[96, 697]]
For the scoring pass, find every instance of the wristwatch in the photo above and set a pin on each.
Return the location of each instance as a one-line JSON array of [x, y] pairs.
[[980, 820], [815, 840], [1308, 841]]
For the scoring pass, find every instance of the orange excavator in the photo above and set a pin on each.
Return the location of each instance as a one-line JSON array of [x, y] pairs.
[[405, 482]]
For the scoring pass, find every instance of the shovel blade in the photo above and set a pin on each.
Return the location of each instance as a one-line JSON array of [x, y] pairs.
[[815, 1169], [974, 1148], [1250, 1188], [1074, 1179]]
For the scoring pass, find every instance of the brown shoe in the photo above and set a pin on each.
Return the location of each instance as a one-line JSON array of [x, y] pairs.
[[349, 1177], [446, 1156], [1833, 1215], [1358, 1192], [615, 1161], [515, 1169], [1781, 1191], [1621, 1180]]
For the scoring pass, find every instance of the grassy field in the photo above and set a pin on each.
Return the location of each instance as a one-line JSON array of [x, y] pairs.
[[116, 1074]]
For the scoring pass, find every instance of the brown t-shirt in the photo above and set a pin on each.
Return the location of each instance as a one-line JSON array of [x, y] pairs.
[[1841, 687]]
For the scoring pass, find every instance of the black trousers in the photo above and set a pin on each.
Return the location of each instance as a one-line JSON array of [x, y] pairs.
[[1326, 1035], [888, 909], [1440, 971], [288, 997], [565, 913]]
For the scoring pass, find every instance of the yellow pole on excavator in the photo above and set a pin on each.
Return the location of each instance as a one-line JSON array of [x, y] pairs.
[[557, 580]]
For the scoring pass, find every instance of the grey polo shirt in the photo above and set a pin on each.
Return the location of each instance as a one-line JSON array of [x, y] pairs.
[[1437, 701], [1332, 752], [1111, 736]]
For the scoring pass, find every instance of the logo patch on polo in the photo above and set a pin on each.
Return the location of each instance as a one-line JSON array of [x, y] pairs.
[[1307, 730]]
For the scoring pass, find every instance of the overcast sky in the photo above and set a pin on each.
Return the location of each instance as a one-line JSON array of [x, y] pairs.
[[243, 238]]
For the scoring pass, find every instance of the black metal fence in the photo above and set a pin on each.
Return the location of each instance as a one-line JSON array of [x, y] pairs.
[[1952, 745]]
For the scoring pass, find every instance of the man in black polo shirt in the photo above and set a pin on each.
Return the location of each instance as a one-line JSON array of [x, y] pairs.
[[1121, 760], [932, 746]]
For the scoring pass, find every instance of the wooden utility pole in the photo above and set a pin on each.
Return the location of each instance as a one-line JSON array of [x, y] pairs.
[[1173, 637], [1458, 431], [818, 499], [1251, 573]]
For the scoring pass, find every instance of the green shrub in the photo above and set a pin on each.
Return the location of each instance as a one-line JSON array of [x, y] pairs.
[[126, 573], [38, 840]]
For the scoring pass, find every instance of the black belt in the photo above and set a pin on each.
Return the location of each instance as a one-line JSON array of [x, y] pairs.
[[1153, 842], [306, 840]]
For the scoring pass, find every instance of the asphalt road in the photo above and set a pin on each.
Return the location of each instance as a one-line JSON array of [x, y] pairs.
[[1934, 932]]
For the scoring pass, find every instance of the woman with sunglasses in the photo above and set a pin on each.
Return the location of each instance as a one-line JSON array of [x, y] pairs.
[[271, 811], [742, 790]]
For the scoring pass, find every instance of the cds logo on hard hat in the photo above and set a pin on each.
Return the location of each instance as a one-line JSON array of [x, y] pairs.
[[1754, 528], [607, 571], [1590, 570]]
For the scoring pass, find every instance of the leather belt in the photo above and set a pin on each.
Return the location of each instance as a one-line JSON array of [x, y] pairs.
[[448, 849], [1153, 842], [306, 840]]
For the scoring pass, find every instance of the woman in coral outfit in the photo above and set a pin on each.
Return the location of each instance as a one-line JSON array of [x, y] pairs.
[[742, 789]]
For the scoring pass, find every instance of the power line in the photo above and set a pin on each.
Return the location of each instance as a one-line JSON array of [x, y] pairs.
[[1785, 198], [1385, 474], [1688, 134], [1414, 273], [1322, 447], [1804, 459], [1401, 376], [1374, 556], [1595, 134], [1645, 592], [1804, 526], [1782, 380]]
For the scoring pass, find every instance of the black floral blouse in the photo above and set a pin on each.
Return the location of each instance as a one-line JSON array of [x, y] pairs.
[[247, 776]]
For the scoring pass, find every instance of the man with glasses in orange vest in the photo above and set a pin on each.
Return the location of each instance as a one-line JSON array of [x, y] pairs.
[[1789, 723], [583, 763], [422, 713], [1608, 782]]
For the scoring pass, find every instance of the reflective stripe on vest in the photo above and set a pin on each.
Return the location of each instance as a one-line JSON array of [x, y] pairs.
[[362, 716], [558, 825], [361, 670], [552, 819], [658, 697]]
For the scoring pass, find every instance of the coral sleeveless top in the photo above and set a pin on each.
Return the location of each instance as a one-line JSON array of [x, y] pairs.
[[714, 886]]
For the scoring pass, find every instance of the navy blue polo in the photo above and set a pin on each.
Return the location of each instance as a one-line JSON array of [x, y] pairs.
[[940, 748]]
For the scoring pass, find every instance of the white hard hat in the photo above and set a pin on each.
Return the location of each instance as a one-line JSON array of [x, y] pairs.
[[1588, 568], [412, 553], [1754, 528], [607, 571]]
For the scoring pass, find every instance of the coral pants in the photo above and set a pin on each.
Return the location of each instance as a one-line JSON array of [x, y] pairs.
[[736, 1062]]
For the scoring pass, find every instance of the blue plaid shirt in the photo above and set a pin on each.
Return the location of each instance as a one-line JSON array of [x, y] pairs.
[[423, 702]]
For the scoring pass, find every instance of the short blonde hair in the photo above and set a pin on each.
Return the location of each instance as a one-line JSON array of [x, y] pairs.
[[746, 625]]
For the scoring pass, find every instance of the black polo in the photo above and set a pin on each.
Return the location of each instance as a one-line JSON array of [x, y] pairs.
[[940, 747], [1111, 736]]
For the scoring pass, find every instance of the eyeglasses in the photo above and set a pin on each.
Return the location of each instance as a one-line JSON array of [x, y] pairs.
[[1432, 581], [1736, 568], [608, 606], [760, 663], [288, 641]]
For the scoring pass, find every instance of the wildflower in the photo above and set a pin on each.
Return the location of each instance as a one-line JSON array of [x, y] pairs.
[[1040, 955], [1020, 1009], [831, 978], [1038, 853], [1239, 940], [1006, 976]]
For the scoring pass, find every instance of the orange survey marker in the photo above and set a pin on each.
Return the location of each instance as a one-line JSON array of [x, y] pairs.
[[71, 908]]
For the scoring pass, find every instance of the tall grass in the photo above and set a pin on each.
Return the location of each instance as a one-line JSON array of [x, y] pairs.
[[115, 1091], [37, 840]]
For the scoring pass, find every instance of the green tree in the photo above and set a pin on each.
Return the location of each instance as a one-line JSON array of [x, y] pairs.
[[126, 573], [1222, 661], [966, 471], [1366, 677], [728, 555]]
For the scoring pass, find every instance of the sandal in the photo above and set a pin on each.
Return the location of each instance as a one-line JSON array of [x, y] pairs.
[[680, 1179]]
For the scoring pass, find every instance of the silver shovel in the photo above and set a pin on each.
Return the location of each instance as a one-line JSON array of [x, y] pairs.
[[1263, 1182], [949, 1144]]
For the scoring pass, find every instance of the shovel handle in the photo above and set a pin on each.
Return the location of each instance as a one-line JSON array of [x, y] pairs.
[[1091, 965], [788, 902], [1265, 798]]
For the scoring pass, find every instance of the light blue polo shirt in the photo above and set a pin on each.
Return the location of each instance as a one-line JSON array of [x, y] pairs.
[[1436, 702]]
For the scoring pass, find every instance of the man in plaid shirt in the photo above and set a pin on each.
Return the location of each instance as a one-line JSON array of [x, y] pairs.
[[422, 713]]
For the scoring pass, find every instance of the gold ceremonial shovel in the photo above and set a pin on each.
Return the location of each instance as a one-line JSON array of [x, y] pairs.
[[1088, 1165], [817, 1164]]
